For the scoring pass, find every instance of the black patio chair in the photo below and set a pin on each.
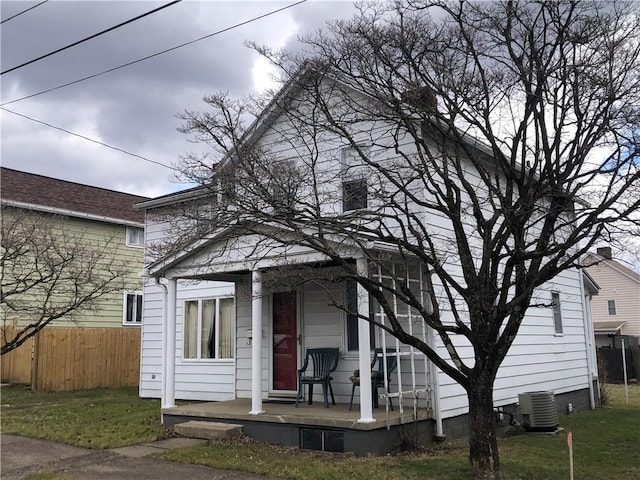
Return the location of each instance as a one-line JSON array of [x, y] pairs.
[[377, 375], [325, 361]]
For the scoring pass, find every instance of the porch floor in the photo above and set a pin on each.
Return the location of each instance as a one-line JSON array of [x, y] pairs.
[[336, 416]]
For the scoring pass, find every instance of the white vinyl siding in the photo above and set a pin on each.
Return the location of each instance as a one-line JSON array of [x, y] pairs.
[[207, 380], [538, 360]]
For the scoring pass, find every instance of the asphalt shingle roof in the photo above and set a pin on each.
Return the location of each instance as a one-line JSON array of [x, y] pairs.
[[50, 192]]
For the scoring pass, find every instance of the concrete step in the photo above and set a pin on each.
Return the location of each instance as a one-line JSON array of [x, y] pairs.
[[208, 430]]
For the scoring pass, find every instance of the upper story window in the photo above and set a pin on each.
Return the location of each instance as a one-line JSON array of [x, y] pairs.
[[354, 180], [557, 312], [611, 307], [132, 308], [135, 237], [354, 194], [209, 328]]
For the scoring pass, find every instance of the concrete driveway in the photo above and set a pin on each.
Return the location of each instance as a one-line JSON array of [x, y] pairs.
[[21, 456]]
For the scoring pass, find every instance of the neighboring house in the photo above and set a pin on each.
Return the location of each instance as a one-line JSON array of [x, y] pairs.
[[100, 215], [187, 304], [616, 310]]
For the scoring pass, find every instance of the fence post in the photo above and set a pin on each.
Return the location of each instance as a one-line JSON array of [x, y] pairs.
[[624, 372], [34, 361]]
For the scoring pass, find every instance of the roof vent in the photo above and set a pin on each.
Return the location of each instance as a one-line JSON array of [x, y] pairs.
[[539, 412]]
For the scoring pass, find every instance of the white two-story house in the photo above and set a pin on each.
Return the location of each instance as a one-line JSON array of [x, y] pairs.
[[226, 322]]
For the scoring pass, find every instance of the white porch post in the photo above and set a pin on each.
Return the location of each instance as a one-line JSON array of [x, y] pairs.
[[364, 342], [256, 343], [169, 397]]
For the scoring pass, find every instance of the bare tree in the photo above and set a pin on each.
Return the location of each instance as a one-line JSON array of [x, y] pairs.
[[496, 141], [49, 272]]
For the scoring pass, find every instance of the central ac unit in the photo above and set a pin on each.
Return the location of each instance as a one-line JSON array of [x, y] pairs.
[[539, 412]]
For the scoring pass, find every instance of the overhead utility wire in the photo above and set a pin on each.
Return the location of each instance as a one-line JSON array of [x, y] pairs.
[[155, 54], [91, 37], [86, 138], [23, 11]]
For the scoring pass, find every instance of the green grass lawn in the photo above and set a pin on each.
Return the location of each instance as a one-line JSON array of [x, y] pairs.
[[100, 418], [606, 445], [606, 441]]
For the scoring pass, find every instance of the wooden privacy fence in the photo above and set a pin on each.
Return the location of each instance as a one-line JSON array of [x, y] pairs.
[[72, 358]]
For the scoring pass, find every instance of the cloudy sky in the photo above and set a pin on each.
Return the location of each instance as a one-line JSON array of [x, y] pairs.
[[133, 108]]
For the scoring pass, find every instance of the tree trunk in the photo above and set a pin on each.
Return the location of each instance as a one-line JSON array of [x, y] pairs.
[[483, 444]]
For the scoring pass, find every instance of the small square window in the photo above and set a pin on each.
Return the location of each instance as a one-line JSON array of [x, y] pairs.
[[611, 307], [135, 237], [354, 194], [132, 308]]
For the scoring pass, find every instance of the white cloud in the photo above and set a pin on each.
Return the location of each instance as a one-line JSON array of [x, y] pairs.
[[133, 108]]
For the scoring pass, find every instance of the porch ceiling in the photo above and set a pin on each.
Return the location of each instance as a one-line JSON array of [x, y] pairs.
[[229, 254], [337, 416]]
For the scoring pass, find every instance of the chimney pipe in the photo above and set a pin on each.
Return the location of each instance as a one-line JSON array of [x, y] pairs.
[[605, 252], [422, 98]]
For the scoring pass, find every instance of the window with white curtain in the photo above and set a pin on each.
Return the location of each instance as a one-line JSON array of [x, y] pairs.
[[135, 237], [209, 328]]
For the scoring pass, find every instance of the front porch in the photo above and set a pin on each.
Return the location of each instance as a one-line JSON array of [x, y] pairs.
[[287, 303], [314, 427]]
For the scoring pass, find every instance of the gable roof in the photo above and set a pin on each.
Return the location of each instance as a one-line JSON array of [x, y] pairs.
[[259, 125], [282, 98], [41, 193], [590, 285], [593, 258]]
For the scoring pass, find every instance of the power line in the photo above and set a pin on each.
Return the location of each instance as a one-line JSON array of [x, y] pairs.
[[86, 138], [91, 37], [23, 11], [155, 54]]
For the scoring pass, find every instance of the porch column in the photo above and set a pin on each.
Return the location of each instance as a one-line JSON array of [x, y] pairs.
[[169, 399], [364, 346], [256, 343]]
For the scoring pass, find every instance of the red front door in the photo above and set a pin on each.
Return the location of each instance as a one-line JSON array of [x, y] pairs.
[[285, 342]]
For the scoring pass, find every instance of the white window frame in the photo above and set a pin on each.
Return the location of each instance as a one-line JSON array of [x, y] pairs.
[[216, 324], [614, 310], [556, 307], [125, 311], [134, 239]]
